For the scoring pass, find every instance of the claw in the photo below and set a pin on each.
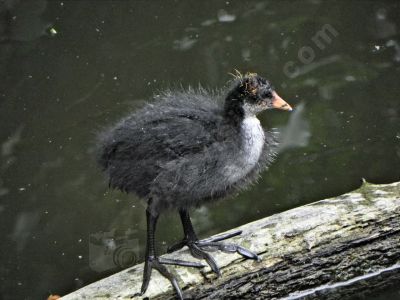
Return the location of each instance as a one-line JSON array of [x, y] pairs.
[[213, 264], [155, 263], [164, 272], [146, 276], [229, 248], [197, 252], [247, 253]]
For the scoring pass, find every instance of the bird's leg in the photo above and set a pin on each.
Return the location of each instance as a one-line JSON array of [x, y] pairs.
[[198, 247], [152, 261]]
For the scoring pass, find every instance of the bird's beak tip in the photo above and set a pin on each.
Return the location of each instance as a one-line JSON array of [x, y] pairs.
[[279, 103]]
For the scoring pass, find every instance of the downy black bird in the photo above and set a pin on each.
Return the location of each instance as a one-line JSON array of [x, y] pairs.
[[188, 147]]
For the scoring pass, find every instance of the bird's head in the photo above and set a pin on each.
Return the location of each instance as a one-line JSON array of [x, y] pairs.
[[251, 94]]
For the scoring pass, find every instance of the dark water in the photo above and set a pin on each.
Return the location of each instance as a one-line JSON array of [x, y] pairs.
[[69, 68]]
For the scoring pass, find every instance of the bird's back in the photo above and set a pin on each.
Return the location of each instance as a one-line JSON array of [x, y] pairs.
[[173, 126]]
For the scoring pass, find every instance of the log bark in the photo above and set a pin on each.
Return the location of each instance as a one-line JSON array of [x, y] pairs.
[[330, 249]]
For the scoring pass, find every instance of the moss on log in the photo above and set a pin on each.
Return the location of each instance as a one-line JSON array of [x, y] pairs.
[[347, 244]]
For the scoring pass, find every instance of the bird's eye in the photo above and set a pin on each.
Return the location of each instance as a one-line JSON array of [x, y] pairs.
[[267, 94]]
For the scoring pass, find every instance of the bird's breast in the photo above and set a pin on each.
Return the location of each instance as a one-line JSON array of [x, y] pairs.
[[252, 140], [251, 147]]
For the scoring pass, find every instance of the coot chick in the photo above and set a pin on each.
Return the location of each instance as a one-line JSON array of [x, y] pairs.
[[186, 148]]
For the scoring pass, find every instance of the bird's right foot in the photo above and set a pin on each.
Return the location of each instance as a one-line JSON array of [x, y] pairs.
[[154, 262]]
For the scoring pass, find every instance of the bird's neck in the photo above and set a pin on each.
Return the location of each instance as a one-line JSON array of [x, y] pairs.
[[238, 113], [233, 108]]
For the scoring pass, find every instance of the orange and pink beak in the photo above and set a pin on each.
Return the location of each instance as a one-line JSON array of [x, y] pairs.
[[279, 103]]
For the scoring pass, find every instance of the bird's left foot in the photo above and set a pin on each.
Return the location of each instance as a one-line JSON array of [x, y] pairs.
[[199, 248]]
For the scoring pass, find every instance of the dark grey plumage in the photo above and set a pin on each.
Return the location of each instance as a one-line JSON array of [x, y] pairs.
[[177, 150], [188, 147]]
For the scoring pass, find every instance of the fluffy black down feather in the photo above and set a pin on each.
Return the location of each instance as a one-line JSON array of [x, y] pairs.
[[177, 150]]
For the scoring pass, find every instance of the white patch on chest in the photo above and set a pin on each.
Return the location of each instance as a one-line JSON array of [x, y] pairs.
[[253, 140], [252, 135]]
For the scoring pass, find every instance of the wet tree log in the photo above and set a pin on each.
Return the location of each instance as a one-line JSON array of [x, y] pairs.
[[347, 244]]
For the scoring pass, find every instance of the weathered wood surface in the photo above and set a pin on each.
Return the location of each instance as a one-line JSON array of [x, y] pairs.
[[306, 252]]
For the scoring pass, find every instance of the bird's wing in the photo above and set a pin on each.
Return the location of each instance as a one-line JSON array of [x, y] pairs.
[[164, 139]]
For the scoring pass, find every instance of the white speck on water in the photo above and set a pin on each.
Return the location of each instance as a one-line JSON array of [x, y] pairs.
[[184, 44], [350, 78], [63, 254], [46, 212], [53, 31], [30, 76], [21, 189], [19, 283], [377, 47], [80, 256], [115, 78], [207, 22], [225, 17], [80, 240], [228, 38]]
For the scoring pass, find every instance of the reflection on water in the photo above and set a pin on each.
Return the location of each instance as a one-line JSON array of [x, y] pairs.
[[68, 68], [297, 131]]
